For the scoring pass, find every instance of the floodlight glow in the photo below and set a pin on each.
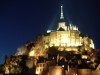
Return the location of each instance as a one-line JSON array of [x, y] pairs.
[[48, 31]]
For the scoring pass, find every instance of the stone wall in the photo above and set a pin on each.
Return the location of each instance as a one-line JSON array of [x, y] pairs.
[[55, 70]]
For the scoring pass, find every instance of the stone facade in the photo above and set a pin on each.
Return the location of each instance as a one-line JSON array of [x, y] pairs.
[[68, 37]]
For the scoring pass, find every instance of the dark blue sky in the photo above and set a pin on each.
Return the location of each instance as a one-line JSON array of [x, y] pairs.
[[21, 20]]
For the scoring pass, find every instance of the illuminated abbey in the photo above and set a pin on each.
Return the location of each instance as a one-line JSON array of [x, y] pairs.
[[67, 36]]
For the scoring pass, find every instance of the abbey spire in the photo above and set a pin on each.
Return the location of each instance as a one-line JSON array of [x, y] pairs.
[[62, 15], [62, 24]]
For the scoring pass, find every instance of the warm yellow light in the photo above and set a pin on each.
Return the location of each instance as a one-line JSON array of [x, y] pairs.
[[84, 57], [31, 53], [64, 40]]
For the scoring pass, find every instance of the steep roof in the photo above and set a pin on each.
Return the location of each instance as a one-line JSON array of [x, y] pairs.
[[61, 29]]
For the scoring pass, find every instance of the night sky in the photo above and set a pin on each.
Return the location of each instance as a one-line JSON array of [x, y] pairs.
[[21, 20]]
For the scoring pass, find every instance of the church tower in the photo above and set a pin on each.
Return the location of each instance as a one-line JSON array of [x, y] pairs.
[[62, 23], [67, 36]]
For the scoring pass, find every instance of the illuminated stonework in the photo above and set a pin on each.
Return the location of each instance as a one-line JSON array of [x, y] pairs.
[[55, 70], [40, 67], [67, 36]]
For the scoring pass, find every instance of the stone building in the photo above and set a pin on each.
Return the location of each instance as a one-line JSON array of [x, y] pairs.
[[67, 36]]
